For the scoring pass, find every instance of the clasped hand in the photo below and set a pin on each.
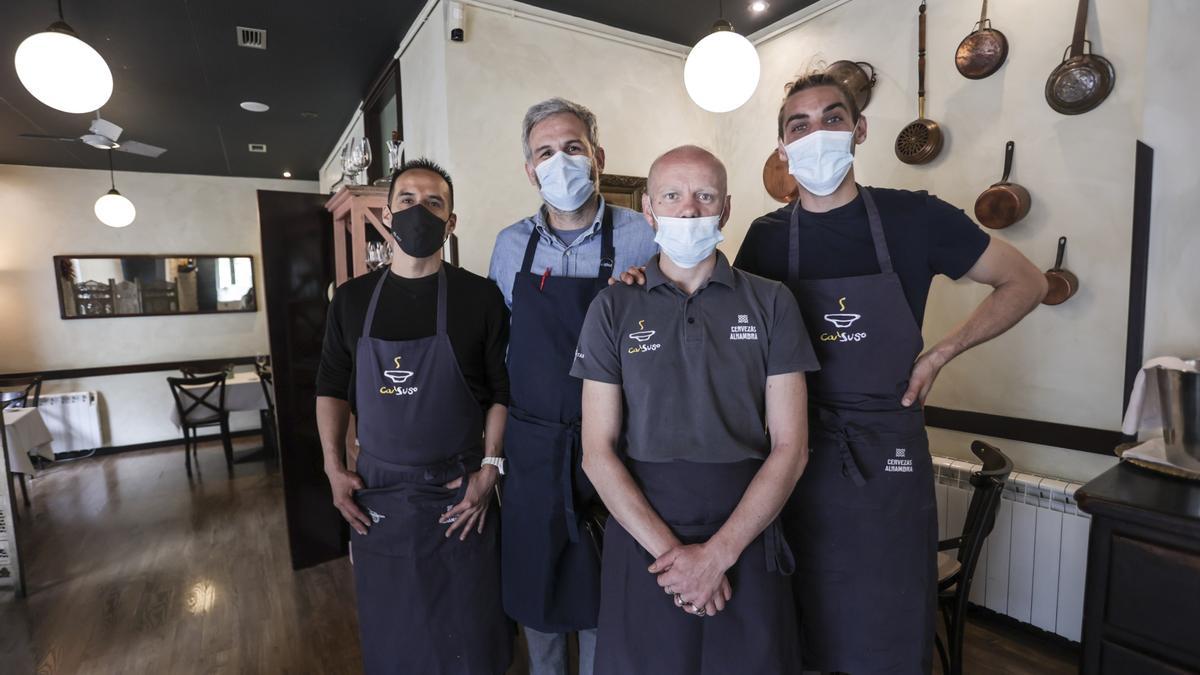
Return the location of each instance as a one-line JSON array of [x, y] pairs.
[[695, 576]]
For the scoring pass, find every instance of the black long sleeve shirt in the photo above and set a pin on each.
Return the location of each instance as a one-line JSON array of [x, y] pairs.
[[476, 322]]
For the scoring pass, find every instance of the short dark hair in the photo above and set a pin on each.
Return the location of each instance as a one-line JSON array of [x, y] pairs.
[[424, 164], [818, 79]]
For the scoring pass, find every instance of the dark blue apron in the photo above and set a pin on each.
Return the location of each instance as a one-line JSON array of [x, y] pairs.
[[426, 604], [863, 518], [550, 565], [641, 629]]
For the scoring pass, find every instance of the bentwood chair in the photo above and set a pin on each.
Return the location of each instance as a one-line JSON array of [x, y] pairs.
[[200, 403], [270, 430], [955, 573]]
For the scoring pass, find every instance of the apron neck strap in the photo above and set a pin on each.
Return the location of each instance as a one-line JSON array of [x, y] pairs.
[[441, 302], [608, 253], [882, 256]]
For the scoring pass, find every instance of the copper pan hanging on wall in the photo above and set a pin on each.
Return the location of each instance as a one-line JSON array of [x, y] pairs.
[[854, 76], [921, 140], [1003, 203], [778, 182], [1082, 81], [983, 51]]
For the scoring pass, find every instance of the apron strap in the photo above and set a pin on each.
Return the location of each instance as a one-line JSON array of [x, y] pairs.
[[574, 447], [608, 253], [441, 300], [370, 317], [830, 421], [780, 558], [882, 255], [881, 247]]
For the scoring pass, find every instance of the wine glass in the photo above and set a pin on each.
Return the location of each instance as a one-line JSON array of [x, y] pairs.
[[361, 152]]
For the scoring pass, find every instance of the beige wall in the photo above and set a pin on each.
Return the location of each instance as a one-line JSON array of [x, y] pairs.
[[48, 212]]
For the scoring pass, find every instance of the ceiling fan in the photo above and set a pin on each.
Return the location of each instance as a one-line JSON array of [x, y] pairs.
[[103, 135]]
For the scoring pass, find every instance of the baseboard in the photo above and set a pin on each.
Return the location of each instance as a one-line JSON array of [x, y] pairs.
[[985, 615], [118, 449]]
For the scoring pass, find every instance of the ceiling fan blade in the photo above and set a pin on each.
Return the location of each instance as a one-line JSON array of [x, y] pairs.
[[136, 148], [44, 137], [105, 128]]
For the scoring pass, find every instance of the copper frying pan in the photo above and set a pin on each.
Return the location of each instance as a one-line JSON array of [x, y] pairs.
[[1003, 203], [1063, 283], [779, 183], [1082, 81], [920, 141], [983, 51]]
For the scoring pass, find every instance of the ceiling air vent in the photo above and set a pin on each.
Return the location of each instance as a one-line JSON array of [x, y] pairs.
[[255, 38], [258, 147]]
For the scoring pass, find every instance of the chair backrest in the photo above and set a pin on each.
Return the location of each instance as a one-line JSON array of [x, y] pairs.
[[199, 397], [267, 381], [985, 502], [160, 297], [31, 392], [93, 298], [127, 297]]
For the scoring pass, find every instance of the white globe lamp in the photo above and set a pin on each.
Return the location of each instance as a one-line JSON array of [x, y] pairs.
[[722, 70], [63, 71], [113, 208]]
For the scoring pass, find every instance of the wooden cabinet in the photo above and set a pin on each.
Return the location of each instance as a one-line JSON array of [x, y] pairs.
[[355, 208], [1142, 604]]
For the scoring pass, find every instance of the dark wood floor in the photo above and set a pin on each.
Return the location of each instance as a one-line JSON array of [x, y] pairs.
[[132, 568]]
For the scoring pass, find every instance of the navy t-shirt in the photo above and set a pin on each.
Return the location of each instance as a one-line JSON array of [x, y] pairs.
[[925, 236]]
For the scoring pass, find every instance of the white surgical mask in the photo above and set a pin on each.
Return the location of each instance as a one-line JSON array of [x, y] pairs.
[[821, 160], [688, 241], [566, 180]]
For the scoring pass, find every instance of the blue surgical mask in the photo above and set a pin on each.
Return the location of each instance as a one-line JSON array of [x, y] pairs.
[[688, 241], [566, 180]]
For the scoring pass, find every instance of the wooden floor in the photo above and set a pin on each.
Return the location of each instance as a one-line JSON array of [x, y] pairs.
[[132, 568]]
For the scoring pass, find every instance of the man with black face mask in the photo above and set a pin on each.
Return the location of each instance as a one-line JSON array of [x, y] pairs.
[[417, 353]]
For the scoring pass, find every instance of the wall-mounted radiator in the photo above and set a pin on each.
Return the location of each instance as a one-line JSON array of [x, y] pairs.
[[73, 419], [1033, 565]]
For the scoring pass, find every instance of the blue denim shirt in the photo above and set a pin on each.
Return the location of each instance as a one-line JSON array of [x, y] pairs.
[[633, 240]]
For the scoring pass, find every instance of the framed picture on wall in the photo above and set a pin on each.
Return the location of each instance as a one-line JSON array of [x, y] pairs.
[[624, 191]]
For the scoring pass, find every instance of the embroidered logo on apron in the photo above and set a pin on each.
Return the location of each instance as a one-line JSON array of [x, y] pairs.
[[375, 517], [899, 464], [642, 336], [842, 319], [398, 377]]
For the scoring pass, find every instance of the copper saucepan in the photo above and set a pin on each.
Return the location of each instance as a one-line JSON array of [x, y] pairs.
[[983, 51], [1003, 203], [920, 141], [855, 78], [1082, 81], [778, 182], [1063, 283]]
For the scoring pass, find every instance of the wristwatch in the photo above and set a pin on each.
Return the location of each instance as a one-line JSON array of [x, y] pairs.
[[497, 462]]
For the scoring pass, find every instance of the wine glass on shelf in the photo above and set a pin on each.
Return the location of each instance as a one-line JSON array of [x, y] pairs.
[[362, 156]]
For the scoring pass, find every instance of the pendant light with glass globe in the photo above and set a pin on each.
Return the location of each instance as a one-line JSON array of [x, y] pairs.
[[63, 71], [722, 70], [113, 208]]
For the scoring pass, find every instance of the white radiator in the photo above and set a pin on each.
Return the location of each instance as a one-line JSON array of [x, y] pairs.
[[1033, 564], [73, 419]]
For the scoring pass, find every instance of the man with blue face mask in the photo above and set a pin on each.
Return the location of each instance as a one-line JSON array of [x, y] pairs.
[[860, 262], [549, 266], [701, 371]]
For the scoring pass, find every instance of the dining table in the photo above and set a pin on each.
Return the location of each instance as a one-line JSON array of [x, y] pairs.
[[243, 393]]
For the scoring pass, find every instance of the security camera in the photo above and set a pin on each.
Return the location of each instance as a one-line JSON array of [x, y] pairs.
[[457, 18]]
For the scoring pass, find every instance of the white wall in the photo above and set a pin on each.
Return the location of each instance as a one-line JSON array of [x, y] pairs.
[[48, 212]]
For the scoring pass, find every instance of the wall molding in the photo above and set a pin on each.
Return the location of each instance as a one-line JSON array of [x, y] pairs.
[[1087, 439], [100, 371]]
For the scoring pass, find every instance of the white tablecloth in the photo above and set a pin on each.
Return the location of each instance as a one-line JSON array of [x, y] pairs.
[[243, 391], [26, 433]]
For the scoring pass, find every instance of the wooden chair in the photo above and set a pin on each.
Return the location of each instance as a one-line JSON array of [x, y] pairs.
[[270, 431], [127, 297], [955, 573], [22, 393], [160, 297], [93, 298], [200, 402]]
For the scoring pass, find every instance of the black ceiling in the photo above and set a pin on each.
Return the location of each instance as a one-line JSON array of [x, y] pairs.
[[179, 75]]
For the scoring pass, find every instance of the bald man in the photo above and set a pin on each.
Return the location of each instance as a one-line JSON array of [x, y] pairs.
[[703, 367]]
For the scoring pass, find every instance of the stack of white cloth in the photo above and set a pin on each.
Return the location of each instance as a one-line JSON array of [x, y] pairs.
[[1145, 413]]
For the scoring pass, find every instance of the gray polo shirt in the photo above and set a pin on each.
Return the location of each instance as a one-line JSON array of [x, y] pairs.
[[694, 370]]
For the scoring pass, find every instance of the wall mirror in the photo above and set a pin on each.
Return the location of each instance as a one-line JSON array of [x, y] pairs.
[[100, 286]]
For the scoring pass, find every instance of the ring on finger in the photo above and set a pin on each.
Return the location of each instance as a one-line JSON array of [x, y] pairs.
[[678, 600], [669, 591]]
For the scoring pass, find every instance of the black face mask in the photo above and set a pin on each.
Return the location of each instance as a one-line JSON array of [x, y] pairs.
[[419, 231]]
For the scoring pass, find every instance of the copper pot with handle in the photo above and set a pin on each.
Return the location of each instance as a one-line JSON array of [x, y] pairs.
[[983, 51], [1083, 80], [1003, 203], [778, 182], [854, 77], [1063, 283], [921, 140]]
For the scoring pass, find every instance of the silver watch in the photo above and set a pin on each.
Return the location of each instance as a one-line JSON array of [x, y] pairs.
[[497, 462]]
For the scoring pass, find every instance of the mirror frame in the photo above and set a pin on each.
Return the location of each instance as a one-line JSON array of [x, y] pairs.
[[62, 308]]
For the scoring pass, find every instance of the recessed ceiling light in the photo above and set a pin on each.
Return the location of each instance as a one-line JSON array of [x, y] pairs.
[[287, 174], [759, 6], [255, 106], [309, 115]]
